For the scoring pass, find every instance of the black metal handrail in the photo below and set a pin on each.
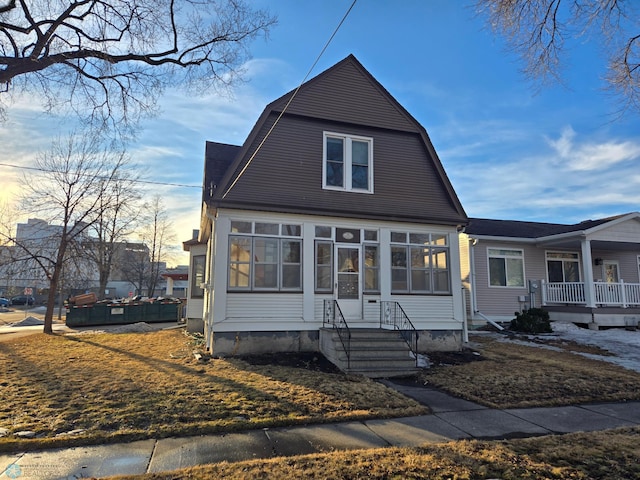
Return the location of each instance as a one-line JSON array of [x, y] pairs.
[[334, 317], [393, 315]]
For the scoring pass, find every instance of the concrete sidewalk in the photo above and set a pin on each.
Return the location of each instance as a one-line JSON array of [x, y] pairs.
[[452, 419]]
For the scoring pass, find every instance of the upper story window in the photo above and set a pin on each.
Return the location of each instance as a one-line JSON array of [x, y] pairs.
[[506, 267], [347, 163]]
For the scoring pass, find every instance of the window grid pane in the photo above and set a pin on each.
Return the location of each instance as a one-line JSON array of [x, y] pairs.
[[324, 266], [371, 269]]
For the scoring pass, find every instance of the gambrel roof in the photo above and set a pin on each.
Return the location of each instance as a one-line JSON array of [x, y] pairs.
[[279, 168]]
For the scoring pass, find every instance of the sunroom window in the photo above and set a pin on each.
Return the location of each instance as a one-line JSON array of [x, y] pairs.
[[348, 163], [419, 265], [268, 260]]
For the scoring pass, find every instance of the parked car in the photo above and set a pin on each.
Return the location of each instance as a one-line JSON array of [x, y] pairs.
[[22, 300], [4, 302]]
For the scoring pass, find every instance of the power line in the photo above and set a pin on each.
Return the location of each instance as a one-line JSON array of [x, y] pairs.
[[244, 169], [151, 182]]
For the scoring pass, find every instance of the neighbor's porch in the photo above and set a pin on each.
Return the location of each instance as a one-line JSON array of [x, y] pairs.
[[597, 304], [591, 294]]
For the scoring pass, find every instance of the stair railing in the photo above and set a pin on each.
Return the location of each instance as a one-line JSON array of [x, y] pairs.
[[392, 315], [333, 316]]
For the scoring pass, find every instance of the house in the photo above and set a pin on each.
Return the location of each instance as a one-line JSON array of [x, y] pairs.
[[336, 215], [587, 272]]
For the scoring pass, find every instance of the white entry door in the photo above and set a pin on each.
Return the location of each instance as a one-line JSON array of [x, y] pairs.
[[610, 270], [348, 281]]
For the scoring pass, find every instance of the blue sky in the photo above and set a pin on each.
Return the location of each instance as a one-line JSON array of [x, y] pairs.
[[512, 150]]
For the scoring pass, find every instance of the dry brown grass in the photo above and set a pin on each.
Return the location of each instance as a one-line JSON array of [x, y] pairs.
[[141, 385], [607, 455], [518, 376]]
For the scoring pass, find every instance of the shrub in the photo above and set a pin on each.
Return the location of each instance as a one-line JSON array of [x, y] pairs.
[[534, 320]]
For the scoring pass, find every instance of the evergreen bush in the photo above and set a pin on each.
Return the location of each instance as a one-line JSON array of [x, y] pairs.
[[533, 320]]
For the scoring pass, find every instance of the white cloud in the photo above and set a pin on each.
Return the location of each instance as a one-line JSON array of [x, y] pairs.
[[593, 156]]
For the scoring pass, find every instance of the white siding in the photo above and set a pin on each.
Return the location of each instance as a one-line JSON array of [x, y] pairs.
[[428, 312], [264, 305], [628, 231]]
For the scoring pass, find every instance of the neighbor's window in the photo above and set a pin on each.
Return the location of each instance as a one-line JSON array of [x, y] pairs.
[[506, 267], [197, 278], [419, 263], [348, 163], [563, 267]]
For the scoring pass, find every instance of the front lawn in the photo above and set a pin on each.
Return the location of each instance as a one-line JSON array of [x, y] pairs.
[[91, 388]]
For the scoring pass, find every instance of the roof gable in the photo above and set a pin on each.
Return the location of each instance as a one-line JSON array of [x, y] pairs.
[[279, 167], [348, 92]]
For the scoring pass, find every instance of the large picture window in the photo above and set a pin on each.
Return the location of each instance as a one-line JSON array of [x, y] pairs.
[[419, 263], [197, 276], [259, 261], [348, 163], [506, 267]]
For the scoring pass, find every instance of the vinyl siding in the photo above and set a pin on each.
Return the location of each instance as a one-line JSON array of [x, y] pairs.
[[276, 307], [349, 96], [503, 301], [628, 231], [428, 312], [286, 175]]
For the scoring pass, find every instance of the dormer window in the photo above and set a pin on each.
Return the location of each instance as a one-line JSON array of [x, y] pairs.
[[347, 163]]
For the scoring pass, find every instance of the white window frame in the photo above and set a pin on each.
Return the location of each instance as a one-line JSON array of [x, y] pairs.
[[548, 255], [347, 167], [435, 243], [506, 257], [277, 232]]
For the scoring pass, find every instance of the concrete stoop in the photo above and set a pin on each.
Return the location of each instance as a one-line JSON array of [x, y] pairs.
[[374, 353]]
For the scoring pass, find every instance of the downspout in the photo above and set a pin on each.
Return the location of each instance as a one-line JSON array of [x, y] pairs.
[[472, 290], [472, 277]]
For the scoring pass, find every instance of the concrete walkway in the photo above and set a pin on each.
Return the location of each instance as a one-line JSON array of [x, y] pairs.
[[452, 419]]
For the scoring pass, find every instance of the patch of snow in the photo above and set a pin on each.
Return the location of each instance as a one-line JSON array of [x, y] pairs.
[[622, 344], [139, 327], [423, 361], [28, 322]]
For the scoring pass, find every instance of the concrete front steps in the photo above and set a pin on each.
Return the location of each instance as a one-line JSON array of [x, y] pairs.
[[375, 352]]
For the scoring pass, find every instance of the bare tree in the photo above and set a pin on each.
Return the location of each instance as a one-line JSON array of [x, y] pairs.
[[136, 266], [110, 59], [157, 234], [538, 30], [116, 221], [74, 179]]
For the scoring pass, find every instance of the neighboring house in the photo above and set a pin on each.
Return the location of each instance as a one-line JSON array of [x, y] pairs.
[[336, 210], [587, 273], [177, 281]]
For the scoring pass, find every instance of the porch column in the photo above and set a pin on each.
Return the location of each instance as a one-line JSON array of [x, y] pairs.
[[169, 289], [587, 269]]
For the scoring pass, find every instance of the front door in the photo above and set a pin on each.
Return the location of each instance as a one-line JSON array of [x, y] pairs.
[[610, 271], [348, 281]]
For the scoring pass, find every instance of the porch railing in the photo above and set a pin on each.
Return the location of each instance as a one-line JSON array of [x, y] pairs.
[[573, 293], [392, 315], [333, 316]]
